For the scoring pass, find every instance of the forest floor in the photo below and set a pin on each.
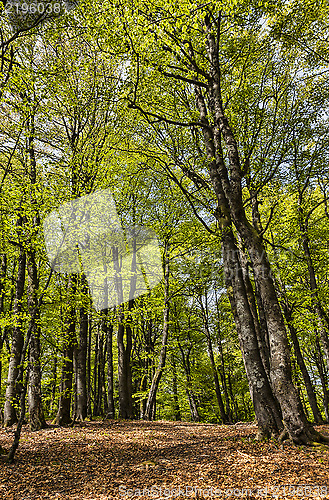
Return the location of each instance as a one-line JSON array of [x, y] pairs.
[[118, 459]]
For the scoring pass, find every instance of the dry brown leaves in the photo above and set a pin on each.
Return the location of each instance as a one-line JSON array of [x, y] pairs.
[[117, 459]]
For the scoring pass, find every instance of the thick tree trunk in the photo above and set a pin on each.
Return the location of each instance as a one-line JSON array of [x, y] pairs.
[[228, 182], [100, 374], [266, 408], [281, 378], [267, 412], [163, 353], [260, 329], [36, 415], [64, 409], [10, 416]]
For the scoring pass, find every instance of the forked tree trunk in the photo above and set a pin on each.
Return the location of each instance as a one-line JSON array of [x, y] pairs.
[[260, 328], [266, 409], [296, 424], [294, 418], [189, 386], [267, 412]]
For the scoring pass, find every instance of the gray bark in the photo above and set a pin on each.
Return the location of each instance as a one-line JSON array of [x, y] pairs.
[[36, 415], [266, 409], [10, 416], [81, 361]]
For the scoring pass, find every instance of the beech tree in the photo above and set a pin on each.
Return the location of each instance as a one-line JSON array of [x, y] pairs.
[[190, 48]]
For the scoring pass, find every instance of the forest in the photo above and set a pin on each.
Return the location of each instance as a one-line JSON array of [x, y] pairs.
[[197, 134]]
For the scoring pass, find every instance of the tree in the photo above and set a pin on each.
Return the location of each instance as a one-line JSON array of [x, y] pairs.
[[192, 52]]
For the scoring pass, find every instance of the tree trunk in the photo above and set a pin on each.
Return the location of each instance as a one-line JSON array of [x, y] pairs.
[[10, 416], [267, 412], [100, 374], [124, 349], [260, 328], [193, 406], [266, 409], [54, 381], [163, 353], [212, 359], [321, 369], [89, 410], [108, 330], [64, 408], [189, 389], [301, 363], [36, 416], [177, 412], [323, 323], [81, 360], [3, 334], [281, 378], [228, 182], [124, 370], [96, 363], [222, 371]]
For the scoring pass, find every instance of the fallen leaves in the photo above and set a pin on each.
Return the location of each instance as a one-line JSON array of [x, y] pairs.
[[95, 459]]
